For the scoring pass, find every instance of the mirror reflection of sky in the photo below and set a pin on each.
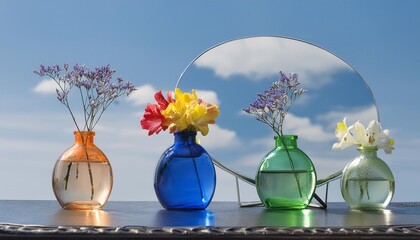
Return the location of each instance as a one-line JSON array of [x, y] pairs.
[[334, 91], [150, 43]]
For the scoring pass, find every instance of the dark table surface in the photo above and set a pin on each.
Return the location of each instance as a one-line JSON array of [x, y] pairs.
[[128, 220]]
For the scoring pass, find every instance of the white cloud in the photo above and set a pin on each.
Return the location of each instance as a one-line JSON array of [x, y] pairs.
[[143, 95], [208, 96], [219, 138], [300, 126], [261, 57], [312, 132], [254, 159], [309, 131], [46, 86], [305, 129], [364, 115]]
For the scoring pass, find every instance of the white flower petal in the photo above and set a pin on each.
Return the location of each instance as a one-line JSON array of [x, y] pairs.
[[341, 129], [337, 146], [359, 134], [388, 150], [345, 142], [374, 127], [384, 142], [372, 132]]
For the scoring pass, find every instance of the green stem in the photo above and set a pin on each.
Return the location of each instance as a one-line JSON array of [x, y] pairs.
[[77, 170], [196, 172], [292, 165], [84, 105], [92, 188], [66, 178]]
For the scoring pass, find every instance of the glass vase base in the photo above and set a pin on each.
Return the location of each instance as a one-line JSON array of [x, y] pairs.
[[369, 207], [368, 194], [279, 203], [192, 208], [83, 205]]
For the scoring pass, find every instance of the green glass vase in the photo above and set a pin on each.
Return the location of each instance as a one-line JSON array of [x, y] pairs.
[[286, 177], [367, 182]]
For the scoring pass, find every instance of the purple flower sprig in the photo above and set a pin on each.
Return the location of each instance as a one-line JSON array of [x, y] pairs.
[[272, 105], [96, 89]]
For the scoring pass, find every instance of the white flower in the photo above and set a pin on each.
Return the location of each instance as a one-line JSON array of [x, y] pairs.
[[360, 134], [345, 138], [384, 142], [372, 136]]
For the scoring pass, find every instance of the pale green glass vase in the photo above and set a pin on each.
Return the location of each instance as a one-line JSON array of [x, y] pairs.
[[367, 182], [286, 177]]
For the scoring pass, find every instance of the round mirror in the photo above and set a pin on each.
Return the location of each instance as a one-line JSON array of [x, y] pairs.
[[232, 73]]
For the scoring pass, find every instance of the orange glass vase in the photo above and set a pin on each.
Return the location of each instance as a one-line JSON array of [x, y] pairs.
[[82, 177]]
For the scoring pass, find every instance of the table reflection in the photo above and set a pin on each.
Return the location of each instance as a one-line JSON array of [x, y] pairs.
[[286, 218], [366, 218], [82, 218], [184, 218]]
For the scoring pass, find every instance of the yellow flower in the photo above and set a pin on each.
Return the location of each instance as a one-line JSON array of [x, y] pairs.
[[188, 112], [202, 115]]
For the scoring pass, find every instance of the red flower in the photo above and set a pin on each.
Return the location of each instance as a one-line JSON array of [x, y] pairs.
[[152, 119], [160, 99]]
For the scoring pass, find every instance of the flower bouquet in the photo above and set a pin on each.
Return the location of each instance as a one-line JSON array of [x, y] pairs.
[[82, 177], [286, 177], [185, 177], [367, 182]]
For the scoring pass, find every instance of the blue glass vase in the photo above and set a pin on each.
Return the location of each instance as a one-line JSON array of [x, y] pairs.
[[185, 177]]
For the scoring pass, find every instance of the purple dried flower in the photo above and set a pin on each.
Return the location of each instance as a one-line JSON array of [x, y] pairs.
[[61, 95], [95, 88], [272, 105]]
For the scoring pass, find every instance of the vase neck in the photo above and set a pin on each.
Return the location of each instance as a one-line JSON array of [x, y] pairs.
[[185, 137], [286, 141], [84, 137], [368, 151]]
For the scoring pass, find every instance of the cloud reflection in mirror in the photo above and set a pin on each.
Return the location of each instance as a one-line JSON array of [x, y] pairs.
[[233, 72]]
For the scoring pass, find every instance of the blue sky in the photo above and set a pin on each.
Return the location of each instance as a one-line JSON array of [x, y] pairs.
[[151, 43]]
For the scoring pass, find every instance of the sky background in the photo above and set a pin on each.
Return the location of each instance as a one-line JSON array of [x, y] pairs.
[[150, 43]]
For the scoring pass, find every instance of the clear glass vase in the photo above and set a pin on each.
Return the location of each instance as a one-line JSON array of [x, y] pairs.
[[367, 182], [185, 177], [286, 177], [82, 177]]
